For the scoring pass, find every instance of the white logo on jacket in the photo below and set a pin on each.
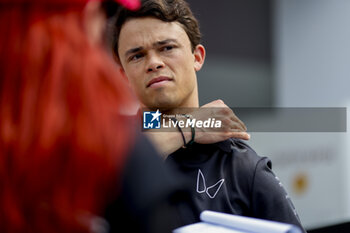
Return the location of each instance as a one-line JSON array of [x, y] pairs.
[[202, 187]]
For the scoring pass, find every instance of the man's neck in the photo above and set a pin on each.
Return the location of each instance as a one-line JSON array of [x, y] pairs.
[[183, 108]]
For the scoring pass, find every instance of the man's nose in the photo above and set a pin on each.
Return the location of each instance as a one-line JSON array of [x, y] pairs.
[[154, 62]]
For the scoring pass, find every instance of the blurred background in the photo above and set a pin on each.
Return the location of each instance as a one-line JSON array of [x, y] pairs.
[[287, 53]]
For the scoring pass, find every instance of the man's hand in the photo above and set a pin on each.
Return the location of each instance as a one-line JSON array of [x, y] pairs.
[[232, 126]]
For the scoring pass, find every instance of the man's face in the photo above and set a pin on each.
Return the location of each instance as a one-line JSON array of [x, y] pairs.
[[158, 60]]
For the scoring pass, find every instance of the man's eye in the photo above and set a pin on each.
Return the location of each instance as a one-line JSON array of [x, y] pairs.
[[167, 48], [135, 57]]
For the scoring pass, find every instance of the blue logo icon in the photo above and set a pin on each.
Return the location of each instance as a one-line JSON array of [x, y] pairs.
[[151, 120]]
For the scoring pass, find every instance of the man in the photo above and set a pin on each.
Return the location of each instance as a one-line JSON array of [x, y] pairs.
[[159, 50]]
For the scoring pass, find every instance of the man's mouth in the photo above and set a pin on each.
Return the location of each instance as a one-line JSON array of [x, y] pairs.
[[158, 81]]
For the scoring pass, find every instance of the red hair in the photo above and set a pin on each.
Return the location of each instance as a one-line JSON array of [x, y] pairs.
[[62, 138]]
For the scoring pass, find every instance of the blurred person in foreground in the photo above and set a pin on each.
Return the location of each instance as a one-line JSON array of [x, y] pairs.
[[158, 47], [69, 160]]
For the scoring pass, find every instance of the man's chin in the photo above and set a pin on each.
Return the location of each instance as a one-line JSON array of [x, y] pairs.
[[162, 106]]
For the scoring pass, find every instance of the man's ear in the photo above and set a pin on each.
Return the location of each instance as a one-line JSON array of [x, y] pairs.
[[94, 21], [199, 57], [122, 73]]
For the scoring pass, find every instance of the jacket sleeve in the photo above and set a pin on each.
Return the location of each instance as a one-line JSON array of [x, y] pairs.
[[269, 198]]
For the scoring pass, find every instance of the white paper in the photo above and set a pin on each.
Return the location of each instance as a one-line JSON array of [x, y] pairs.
[[247, 224], [203, 227], [215, 222]]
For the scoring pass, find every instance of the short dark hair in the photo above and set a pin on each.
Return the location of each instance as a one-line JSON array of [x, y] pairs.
[[165, 10]]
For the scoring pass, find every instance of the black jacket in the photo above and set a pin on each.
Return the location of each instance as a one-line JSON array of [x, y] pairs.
[[230, 177]]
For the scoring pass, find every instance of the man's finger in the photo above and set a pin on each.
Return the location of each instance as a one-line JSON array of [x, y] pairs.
[[236, 127], [236, 119], [240, 135]]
